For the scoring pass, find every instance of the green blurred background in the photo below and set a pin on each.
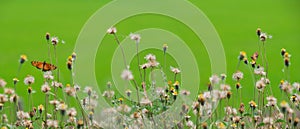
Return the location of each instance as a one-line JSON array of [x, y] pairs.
[[23, 25]]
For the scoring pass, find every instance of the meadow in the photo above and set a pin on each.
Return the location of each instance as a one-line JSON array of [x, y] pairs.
[[24, 25]]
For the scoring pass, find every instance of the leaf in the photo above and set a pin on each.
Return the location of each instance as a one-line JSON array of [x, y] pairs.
[[261, 124], [247, 114], [280, 121]]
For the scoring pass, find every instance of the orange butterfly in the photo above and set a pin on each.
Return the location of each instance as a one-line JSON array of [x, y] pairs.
[[43, 65]]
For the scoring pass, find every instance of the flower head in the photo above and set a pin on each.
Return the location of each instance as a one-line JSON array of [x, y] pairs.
[[45, 88], [29, 80], [238, 75], [175, 70], [54, 40], [135, 37], [2, 82], [127, 75], [23, 58], [111, 30]]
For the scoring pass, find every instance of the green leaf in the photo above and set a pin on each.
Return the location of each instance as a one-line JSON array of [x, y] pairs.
[[261, 124], [247, 114], [280, 121]]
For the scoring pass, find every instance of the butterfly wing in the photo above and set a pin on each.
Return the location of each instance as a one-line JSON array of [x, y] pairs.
[[37, 64], [49, 67]]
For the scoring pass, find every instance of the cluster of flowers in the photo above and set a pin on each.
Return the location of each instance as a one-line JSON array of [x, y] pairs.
[[220, 106]]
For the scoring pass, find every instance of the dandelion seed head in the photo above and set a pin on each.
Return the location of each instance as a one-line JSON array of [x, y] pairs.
[[214, 79]]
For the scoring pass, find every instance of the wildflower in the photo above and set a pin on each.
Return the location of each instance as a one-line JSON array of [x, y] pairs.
[[220, 125], [111, 30], [260, 85], [150, 57], [57, 84], [8, 91], [236, 119], [253, 64], [176, 85], [23, 58], [120, 100], [70, 90], [29, 80], [62, 108], [123, 108], [127, 75], [263, 37], [225, 87], [108, 94], [79, 124], [284, 106], [165, 47], [223, 76], [252, 105], [228, 94], [238, 76], [242, 55], [54, 40], [29, 90], [1, 106], [15, 80], [13, 98], [214, 79], [2, 83], [260, 71], [3, 98], [238, 85], [72, 112], [242, 108], [294, 99], [47, 36], [145, 101], [135, 37], [296, 86], [258, 32], [88, 90], [254, 57], [23, 115], [190, 124], [145, 66], [48, 75], [283, 51], [271, 101], [268, 120], [128, 92], [69, 65], [296, 121], [185, 92], [40, 108], [246, 61], [54, 102], [204, 125], [52, 123], [45, 88], [201, 99], [74, 56], [175, 70]]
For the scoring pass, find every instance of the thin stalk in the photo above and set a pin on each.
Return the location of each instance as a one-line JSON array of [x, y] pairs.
[[49, 51], [137, 92], [122, 50], [46, 107], [138, 58], [253, 79]]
